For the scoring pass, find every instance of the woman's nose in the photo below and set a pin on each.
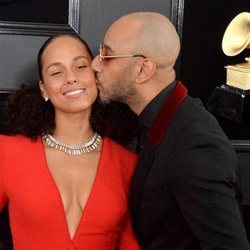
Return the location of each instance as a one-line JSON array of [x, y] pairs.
[[71, 81], [71, 78]]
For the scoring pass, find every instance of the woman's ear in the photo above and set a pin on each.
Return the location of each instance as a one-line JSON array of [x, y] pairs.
[[146, 70], [43, 91]]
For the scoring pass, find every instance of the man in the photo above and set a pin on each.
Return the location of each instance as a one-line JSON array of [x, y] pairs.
[[184, 186]]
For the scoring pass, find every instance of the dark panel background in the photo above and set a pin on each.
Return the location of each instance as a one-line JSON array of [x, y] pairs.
[[45, 11], [202, 60], [18, 52]]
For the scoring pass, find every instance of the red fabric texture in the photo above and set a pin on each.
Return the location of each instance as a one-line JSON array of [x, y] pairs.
[[162, 120], [36, 212]]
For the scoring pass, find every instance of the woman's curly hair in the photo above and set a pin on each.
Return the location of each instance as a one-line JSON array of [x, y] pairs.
[[29, 115]]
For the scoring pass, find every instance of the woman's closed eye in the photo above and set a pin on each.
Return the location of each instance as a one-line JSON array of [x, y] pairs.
[[81, 66], [56, 73]]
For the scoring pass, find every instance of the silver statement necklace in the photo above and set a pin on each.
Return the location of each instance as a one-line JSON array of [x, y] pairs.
[[73, 149]]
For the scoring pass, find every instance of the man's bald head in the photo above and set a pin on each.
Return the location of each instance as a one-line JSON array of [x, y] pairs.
[[150, 34]]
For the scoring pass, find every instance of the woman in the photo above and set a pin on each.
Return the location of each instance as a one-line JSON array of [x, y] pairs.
[[65, 185]]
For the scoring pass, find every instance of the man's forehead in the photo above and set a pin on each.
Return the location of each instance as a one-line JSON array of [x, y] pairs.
[[111, 42], [118, 39]]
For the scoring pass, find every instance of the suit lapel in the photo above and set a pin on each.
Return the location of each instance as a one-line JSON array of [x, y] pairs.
[[155, 136], [166, 113]]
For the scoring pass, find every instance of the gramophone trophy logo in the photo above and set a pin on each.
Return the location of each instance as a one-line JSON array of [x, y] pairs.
[[237, 38]]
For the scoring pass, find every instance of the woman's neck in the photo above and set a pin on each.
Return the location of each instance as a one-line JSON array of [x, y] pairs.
[[73, 129]]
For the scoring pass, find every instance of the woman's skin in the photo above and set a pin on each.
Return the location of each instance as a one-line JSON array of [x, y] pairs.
[[69, 82]]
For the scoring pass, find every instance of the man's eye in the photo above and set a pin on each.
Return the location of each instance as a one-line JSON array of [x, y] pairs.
[[108, 58]]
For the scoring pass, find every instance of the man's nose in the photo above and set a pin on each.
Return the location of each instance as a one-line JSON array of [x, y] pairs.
[[97, 64]]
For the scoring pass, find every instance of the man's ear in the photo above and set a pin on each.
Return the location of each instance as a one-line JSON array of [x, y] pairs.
[[146, 70]]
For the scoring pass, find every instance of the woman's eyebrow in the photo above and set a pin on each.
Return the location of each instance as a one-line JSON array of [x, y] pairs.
[[58, 63]]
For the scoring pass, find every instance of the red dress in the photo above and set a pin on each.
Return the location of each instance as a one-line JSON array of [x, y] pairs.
[[36, 211]]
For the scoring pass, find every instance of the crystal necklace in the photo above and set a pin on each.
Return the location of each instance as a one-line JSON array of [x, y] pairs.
[[73, 149]]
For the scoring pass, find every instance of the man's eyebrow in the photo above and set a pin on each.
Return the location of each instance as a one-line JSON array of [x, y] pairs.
[[108, 47]]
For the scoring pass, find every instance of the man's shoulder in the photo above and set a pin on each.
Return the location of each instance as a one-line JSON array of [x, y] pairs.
[[118, 148]]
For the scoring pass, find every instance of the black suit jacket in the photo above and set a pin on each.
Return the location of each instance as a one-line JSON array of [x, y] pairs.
[[184, 187]]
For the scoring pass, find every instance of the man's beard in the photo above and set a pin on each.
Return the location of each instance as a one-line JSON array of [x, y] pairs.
[[120, 91]]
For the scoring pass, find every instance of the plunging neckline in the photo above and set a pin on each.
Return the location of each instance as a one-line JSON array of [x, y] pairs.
[[59, 197]]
